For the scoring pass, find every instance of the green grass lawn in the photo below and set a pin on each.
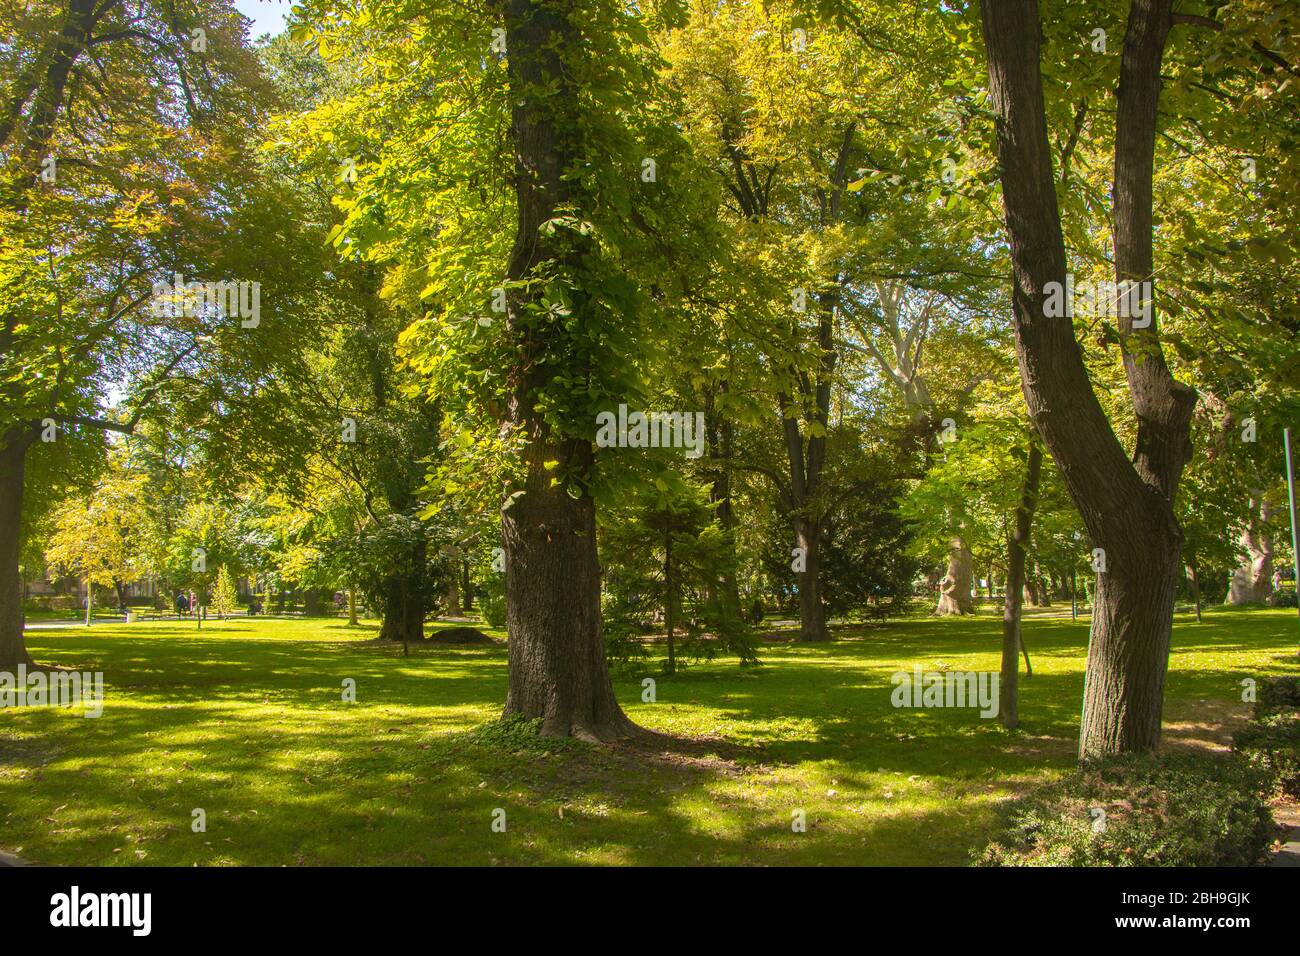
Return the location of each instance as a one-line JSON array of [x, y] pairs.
[[245, 719]]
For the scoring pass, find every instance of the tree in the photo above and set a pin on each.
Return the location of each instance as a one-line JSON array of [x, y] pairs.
[[115, 125], [1127, 507], [97, 535], [224, 596]]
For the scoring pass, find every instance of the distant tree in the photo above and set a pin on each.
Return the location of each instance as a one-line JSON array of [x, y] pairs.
[[224, 596]]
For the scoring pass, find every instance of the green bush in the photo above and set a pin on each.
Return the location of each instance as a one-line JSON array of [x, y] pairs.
[[492, 605], [1271, 743], [1276, 692], [1171, 810]]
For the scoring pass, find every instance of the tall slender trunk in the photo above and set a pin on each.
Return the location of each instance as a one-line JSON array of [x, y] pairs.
[[1009, 693], [557, 667], [1125, 504], [1195, 580], [467, 589], [13, 460], [670, 606], [454, 608], [721, 438]]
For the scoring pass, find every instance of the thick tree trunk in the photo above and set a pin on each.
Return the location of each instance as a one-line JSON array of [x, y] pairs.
[[556, 651], [1252, 582], [1009, 692], [13, 460], [955, 588], [1125, 505], [557, 667], [404, 603], [812, 609]]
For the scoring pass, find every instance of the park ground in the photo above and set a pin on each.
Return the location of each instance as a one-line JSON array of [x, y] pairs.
[[246, 720]]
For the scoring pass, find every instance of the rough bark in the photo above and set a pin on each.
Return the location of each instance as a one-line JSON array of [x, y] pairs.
[[955, 588], [13, 459], [1125, 505], [557, 668], [812, 609], [1009, 692]]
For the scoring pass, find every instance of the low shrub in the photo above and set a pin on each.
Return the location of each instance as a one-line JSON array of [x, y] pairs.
[[1276, 692], [1168, 810], [492, 607], [1271, 744]]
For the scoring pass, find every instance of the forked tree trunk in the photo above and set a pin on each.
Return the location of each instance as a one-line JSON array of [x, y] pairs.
[[557, 668], [13, 459], [1009, 691], [1125, 505], [955, 588]]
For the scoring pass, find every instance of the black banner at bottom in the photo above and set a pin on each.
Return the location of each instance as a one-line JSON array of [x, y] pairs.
[[305, 905]]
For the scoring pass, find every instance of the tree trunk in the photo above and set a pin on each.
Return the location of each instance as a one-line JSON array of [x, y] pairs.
[[670, 620], [812, 609], [13, 459], [1042, 587], [1125, 505], [404, 603], [1009, 693], [352, 607], [721, 438], [557, 667], [1252, 583], [954, 589], [556, 650], [466, 588], [454, 608], [1195, 580]]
